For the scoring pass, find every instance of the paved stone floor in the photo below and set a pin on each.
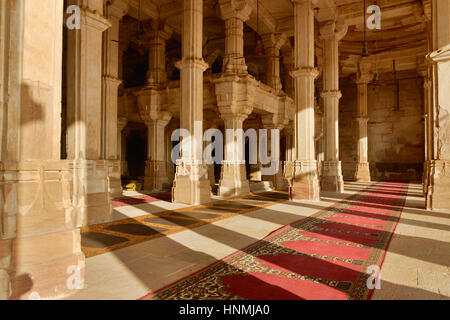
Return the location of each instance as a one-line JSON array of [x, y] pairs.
[[417, 265]]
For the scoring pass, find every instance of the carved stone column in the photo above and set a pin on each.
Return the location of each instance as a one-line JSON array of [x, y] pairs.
[[331, 33], [85, 122], [155, 167], [305, 183], [114, 11], [156, 120], [235, 13], [272, 44], [275, 122], [39, 233], [438, 195], [288, 62], [427, 100], [156, 75], [362, 173], [121, 124], [288, 165], [191, 185], [233, 179]]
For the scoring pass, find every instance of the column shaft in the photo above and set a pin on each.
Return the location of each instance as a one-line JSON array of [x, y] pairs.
[[438, 193], [305, 183], [155, 167], [39, 237], [191, 183], [332, 179], [362, 173], [233, 179], [85, 119]]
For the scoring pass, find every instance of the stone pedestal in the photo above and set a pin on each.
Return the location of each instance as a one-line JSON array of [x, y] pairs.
[[233, 179], [91, 195], [304, 184]]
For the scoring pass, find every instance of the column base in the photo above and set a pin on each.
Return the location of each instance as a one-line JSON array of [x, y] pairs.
[[362, 173], [115, 181], [191, 184], [156, 176], [51, 266], [304, 185], [438, 195], [332, 179], [233, 180], [39, 222], [124, 168], [425, 177], [255, 173], [91, 196]]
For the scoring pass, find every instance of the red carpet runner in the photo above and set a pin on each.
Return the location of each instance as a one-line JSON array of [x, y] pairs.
[[324, 256]]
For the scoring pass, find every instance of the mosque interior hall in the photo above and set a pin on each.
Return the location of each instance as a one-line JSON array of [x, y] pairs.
[[225, 150]]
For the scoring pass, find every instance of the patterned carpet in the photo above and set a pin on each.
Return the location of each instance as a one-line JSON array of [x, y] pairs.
[[324, 256], [101, 238]]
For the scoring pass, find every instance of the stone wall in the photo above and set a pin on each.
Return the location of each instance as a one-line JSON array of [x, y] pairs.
[[396, 133]]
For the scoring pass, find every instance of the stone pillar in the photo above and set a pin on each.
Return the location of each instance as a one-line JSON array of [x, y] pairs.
[[427, 100], [156, 120], [438, 196], [272, 122], [305, 183], [233, 179], [288, 62], [362, 173], [191, 185], [331, 33], [114, 11], [155, 167], [121, 124], [84, 115], [288, 165], [272, 44], [39, 236], [235, 13], [157, 75]]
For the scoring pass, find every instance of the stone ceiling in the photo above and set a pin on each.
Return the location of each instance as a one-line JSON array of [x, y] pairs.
[[402, 36]]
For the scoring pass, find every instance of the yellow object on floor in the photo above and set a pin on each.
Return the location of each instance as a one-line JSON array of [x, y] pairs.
[[134, 186]]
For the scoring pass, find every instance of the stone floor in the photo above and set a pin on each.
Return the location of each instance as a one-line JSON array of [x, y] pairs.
[[417, 265]]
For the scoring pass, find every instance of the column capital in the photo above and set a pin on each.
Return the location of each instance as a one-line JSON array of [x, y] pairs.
[[331, 94], [362, 78], [274, 40], [160, 32], [440, 55], [192, 63], [121, 123], [305, 72], [229, 9], [362, 119], [94, 19], [334, 29], [274, 121], [116, 9], [300, 2], [232, 112]]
